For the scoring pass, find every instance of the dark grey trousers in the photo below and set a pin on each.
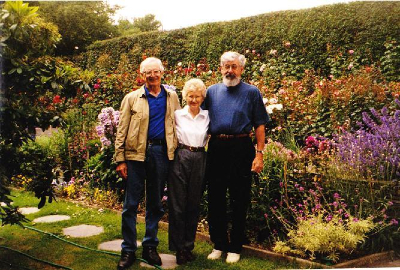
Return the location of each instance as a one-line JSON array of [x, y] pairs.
[[185, 188]]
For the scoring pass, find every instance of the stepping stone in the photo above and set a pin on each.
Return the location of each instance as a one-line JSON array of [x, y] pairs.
[[28, 210], [51, 218], [168, 262], [114, 245], [3, 204], [83, 231]]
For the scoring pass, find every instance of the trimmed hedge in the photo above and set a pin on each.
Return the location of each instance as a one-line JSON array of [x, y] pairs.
[[316, 34]]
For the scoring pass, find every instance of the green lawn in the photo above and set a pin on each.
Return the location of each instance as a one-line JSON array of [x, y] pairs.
[[48, 248]]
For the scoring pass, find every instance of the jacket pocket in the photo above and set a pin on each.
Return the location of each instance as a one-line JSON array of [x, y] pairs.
[[133, 132]]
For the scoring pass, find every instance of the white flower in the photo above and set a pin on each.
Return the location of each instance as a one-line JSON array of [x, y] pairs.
[[273, 101], [265, 100], [271, 108]]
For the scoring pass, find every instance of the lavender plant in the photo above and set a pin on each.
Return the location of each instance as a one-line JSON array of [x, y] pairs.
[[374, 150]]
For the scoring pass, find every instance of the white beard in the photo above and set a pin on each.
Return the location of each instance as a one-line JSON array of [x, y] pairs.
[[231, 82]]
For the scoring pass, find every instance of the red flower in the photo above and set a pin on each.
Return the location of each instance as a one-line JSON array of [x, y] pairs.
[[57, 99], [96, 86]]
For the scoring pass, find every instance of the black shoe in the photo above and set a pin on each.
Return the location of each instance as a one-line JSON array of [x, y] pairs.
[[181, 257], [150, 254], [127, 259], [190, 257]]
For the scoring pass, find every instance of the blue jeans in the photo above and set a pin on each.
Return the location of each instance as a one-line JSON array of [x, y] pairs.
[[154, 170]]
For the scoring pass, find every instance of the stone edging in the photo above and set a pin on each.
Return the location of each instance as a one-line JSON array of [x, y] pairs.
[[367, 260]]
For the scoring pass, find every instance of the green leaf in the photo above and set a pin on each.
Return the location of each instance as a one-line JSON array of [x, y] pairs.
[[12, 27], [19, 70]]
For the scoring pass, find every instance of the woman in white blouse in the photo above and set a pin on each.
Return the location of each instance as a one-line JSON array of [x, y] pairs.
[[185, 184]]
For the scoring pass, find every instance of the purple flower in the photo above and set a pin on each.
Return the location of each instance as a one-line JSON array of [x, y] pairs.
[[394, 222]]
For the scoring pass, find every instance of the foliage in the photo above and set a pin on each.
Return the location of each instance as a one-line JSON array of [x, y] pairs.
[[24, 33], [318, 226], [316, 236], [314, 35], [79, 23], [38, 167], [390, 61], [144, 24]]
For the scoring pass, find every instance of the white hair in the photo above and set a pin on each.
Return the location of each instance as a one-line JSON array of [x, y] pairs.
[[231, 56], [149, 60], [194, 85]]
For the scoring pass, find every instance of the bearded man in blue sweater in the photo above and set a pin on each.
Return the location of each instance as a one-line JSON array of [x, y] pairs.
[[236, 110]]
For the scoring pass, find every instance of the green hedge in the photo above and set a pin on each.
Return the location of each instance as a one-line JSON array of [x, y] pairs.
[[316, 34]]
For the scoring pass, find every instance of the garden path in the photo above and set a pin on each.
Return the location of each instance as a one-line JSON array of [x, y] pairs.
[[84, 230]]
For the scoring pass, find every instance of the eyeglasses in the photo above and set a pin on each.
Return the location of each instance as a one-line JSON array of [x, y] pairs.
[[155, 72], [227, 66]]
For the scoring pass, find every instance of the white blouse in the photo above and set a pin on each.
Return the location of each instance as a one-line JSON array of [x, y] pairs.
[[192, 131]]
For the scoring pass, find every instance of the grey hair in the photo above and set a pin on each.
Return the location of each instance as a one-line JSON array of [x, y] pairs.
[[194, 85], [149, 60], [231, 56]]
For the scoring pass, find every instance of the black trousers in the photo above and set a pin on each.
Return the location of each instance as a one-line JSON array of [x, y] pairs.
[[229, 170], [185, 189]]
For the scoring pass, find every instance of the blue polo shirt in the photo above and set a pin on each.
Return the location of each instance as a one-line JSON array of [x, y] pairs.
[[157, 110], [235, 110]]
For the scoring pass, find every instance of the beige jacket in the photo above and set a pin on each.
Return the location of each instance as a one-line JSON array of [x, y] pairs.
[[131, 139]]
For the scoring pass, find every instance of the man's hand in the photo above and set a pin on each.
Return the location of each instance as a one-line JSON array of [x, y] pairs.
[[122, 170], [258, 163]]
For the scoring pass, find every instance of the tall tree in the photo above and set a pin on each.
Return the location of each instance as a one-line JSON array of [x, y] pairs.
[[80, 23], [143, 24]]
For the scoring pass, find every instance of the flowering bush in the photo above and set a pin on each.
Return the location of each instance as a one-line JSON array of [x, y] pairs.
[[107, 128], [320, 225]]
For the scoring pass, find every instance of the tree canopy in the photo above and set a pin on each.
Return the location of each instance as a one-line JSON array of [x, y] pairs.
[[80, 23], [144, 24]]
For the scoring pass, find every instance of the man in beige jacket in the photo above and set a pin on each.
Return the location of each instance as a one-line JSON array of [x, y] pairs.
[[144, 147]]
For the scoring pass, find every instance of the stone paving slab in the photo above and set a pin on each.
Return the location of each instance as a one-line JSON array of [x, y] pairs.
[[114, 245], [28, 210], [3, 204], [168, 262], [51, 218], [83, 231]]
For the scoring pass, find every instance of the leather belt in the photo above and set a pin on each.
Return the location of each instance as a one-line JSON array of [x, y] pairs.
[[192, 148], [230, 136], [156, 142]]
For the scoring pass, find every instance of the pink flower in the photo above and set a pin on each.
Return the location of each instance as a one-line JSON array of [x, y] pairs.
[[96, 86], [351, 51]]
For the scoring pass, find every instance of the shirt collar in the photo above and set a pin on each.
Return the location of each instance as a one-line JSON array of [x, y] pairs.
[[185, 111], [162, 93]]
